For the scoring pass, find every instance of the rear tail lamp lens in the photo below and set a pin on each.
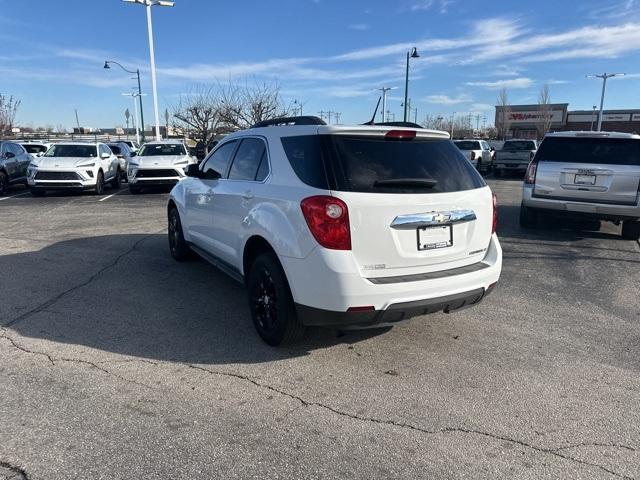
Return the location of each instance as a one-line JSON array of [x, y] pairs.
[[494, 225], [532, 169], [328, 220], [473, 156]]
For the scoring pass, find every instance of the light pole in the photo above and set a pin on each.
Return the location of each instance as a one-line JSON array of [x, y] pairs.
[[593, 117], [154, 84], [135, 110], [453, 118], [137, 73], [384, 91], [413, 53], [604, 78]]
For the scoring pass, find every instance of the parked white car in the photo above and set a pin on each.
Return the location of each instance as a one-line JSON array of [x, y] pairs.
[[158, 163], [477, 151], [326, 227], [74, 166], [35, 148], [586, 175]]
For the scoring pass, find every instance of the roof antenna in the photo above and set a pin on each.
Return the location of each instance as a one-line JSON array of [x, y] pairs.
[[375, 112]]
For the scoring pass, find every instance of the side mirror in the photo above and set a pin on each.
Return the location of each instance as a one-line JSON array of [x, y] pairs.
[[105, 155], [39, 154], [193, 170], [133, 154]]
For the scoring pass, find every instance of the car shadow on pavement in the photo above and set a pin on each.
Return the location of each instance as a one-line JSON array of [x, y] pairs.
[[125, 294]]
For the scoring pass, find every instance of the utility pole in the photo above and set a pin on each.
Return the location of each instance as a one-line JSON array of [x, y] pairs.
[[605, 76], [338, 114], [77, 120], [453, 117], [593, 117], [384, 91]]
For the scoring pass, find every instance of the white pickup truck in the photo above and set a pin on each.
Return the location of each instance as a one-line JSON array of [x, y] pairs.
[[515, 155]]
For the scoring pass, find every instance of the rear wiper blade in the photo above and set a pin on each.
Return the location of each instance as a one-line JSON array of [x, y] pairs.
[[406, 182]]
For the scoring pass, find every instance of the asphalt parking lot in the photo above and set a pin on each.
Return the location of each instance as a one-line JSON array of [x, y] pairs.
[[117, 362]]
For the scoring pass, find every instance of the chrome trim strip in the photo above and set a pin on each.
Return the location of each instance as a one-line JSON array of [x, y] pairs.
[[430, 219], [419, 277]]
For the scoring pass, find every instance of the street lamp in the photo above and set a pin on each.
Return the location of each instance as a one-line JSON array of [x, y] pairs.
[[413, 53], [593, 117], [384, 91], [604, 78], [154, 85], [135, 110], [137, 73]]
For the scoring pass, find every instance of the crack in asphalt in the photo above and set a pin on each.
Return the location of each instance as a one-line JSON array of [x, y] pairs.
[[53, 361], [19, 472], [307, 403], [86, 282], [595, 444]]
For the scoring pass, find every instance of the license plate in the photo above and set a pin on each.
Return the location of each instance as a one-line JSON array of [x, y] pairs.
[[585, 180], [439, 236]]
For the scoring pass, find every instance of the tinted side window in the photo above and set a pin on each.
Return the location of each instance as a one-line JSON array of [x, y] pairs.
[[247, 159], [115, 149], [366, 164], [15, 149], [305, 156], [263, 169], [219, 159]]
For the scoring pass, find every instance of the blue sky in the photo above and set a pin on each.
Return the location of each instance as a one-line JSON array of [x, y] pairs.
[[328, 54]]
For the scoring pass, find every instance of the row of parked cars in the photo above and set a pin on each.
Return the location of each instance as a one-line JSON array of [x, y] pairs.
[[514, 156], [91, 165]]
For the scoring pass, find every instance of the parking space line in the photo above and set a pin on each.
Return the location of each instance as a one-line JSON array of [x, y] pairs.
[[112, 195], [16, 195]]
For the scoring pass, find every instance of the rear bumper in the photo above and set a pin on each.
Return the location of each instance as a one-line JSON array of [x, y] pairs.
[[599, 211], [395, 312], [327, 283]]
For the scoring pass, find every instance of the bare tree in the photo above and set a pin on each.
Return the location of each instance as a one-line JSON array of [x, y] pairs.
[[61, 128], [503, 122], [244, 104], [543, 123], [199, 113], [8, 109]]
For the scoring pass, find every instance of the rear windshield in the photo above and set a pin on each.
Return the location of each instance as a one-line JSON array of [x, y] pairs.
[[115, 149], [31, 148], [72, 151], [519, 145], [466, 145], [376, 165], [150, 149], [610, 151]]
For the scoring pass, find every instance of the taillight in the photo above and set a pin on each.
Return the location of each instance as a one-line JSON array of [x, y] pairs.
[[532, 169], [494, 225], [328, 221], [473, 156], [400, 135]]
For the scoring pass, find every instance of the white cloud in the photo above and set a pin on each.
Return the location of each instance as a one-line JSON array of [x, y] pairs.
[[422, 5], [521, 82], [447, 100], [359, 26]]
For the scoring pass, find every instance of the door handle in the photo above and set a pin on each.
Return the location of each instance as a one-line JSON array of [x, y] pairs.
[[248, 195]]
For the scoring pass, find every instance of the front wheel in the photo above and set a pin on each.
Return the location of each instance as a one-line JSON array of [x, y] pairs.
[[4, 183], [115, 183], [270, 301], [99, 188], [631, 230], [177, 244]]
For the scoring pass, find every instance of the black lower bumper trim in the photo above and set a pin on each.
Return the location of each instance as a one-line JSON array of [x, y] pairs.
[[311, 316]]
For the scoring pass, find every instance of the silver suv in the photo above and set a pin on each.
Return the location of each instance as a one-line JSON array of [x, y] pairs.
[[585, 174]]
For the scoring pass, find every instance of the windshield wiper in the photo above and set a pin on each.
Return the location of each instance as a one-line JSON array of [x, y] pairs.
[[406, 182]]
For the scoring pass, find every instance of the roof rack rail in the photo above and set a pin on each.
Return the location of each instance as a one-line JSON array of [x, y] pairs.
[[399, 124], [303, 120]]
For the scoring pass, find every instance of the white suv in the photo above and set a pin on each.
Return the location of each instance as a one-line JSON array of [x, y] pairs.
[[585, 174], [339, 226], [158, 163], [74, 166]]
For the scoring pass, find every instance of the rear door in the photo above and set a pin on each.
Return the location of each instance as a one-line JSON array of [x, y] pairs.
[[589, 169], [415, 206]]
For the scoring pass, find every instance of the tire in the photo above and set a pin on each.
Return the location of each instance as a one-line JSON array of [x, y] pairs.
[[99, 188], [4, 183], [177, 245], [115, 183], [271, 303], [631, 230], [134, 190], [528, 217], [479, 166], [38, 192]]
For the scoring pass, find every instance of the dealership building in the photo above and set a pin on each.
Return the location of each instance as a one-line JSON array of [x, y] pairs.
[[523, 121]]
